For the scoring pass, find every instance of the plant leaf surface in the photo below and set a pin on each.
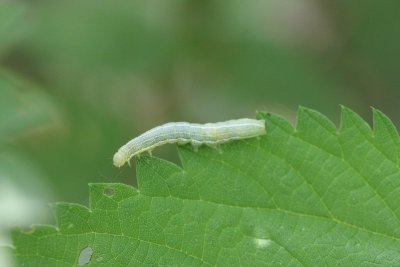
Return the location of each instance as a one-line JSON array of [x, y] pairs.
[[306, 196]]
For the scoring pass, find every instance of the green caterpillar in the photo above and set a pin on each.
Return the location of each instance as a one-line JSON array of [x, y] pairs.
[[210, 134]]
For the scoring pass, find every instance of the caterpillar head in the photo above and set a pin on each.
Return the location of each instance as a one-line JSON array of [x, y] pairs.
[[119, 160]]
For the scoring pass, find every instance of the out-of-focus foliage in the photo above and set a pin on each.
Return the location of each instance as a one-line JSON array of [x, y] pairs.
[[24, 112], [11, 25], [22, 108], [89, 75]]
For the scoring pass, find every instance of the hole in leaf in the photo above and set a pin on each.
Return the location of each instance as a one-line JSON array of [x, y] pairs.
[[109, 192], [85, 256]]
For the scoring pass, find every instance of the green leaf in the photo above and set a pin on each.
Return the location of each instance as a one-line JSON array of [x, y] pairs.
[[306, 196], [23, 107]]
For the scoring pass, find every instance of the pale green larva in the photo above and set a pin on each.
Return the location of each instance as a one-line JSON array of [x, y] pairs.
[[210, 134]]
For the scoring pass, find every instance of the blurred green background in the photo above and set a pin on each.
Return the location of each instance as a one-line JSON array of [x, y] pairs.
[[80, 78]]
